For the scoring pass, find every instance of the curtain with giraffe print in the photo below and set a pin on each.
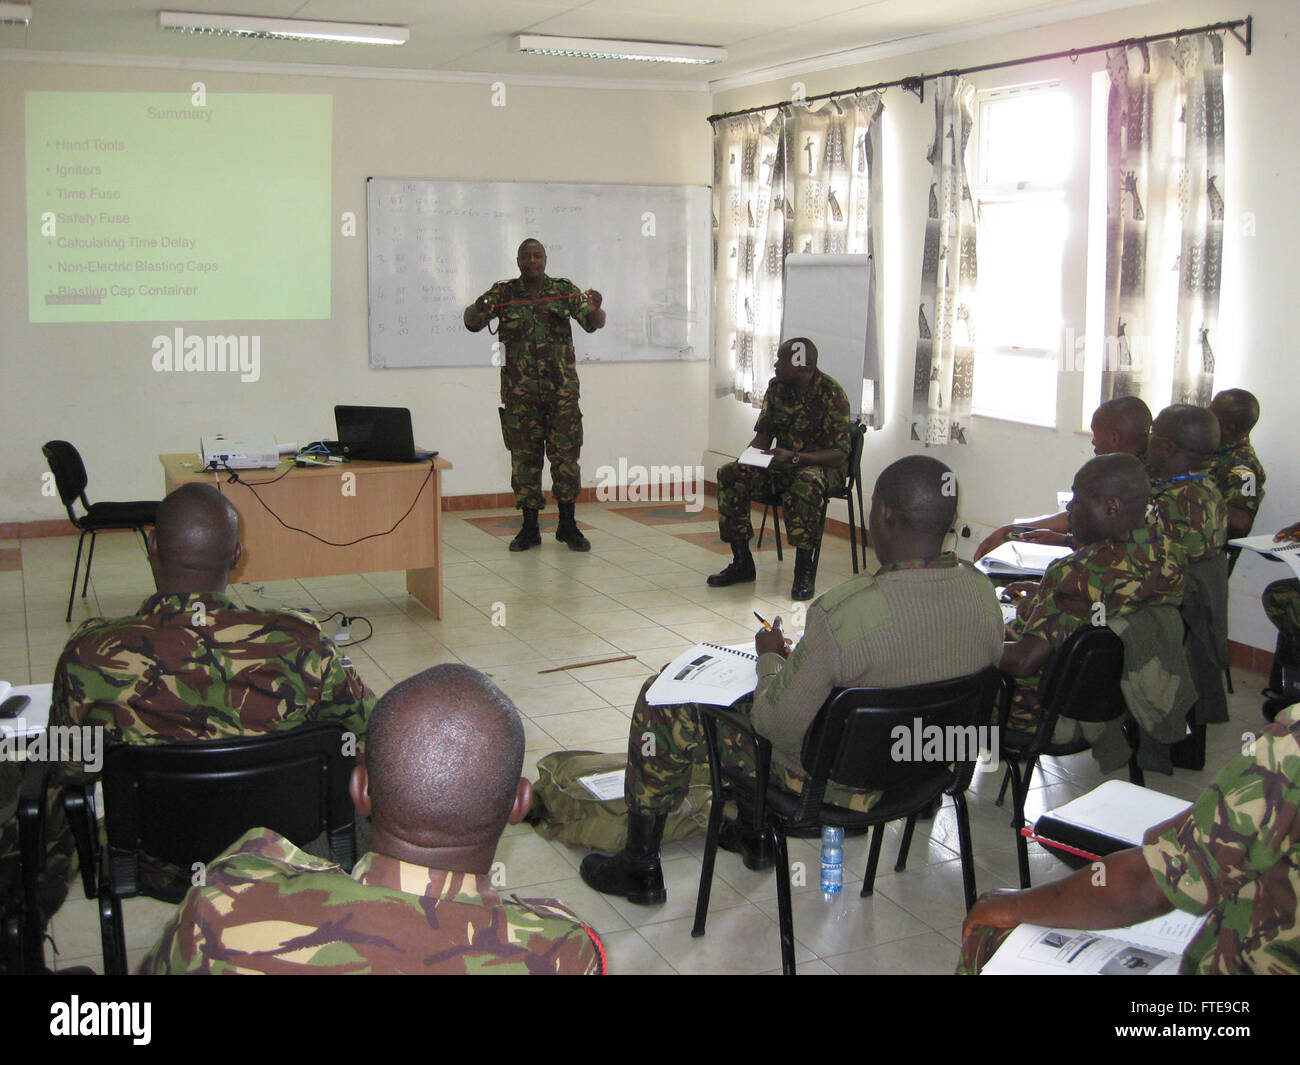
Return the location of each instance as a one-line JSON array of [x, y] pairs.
[[795, 179], [945, 344], [1164, 220]]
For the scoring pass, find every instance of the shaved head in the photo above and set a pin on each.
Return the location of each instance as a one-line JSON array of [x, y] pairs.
[[1237, 411], [922, 492], [527, 243], [800, 351], [1122, 477], [1192, 430], [444, 750], [197, 530], [1124, 422]]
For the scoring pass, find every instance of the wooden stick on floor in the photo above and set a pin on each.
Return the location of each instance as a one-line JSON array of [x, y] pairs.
[[583, 665]]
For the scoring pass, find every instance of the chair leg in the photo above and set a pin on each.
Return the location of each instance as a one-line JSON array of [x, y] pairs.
[[783, 902], [906, 845], [706, 870], [967, 852], [112, 934], [78, 808], [862, 519], [853, 535], [758, 546], [1227, 675], [90, 557], [1006, 779], [873, 860], [76, 568], [1019, 792], [776, 530]]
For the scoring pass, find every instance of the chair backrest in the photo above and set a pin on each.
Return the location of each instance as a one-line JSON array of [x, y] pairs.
[[68, 469], [1082, 679], [182, 803], [891, 738]]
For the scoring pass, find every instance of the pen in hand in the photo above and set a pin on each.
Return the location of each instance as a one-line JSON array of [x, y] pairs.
[[763, 621]]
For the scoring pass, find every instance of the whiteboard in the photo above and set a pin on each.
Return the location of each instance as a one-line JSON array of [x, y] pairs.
[[436, 246], [830, 299]]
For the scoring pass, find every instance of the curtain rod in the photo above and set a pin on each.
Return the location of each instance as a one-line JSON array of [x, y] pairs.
[[915, 83]]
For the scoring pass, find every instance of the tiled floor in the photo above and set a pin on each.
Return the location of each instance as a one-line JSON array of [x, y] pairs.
[[641, 590]]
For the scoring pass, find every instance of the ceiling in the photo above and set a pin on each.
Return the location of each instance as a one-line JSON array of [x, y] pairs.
[[456, 36]]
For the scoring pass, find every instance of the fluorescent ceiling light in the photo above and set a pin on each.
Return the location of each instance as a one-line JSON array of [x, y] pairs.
[[17, 14], [599, 48], [283, 28]]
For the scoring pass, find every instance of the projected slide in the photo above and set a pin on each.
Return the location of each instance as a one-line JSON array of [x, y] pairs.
[[144, 207]]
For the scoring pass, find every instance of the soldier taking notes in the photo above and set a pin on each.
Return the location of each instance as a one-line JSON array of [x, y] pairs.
[[539, 386]]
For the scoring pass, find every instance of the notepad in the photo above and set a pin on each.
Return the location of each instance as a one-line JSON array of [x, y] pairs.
[[752, 456], [706, 673], [1266, 545]]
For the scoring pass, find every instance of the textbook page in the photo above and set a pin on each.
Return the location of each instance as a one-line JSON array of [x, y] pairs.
[[1120, 810], [706, 673], [1283, 551]]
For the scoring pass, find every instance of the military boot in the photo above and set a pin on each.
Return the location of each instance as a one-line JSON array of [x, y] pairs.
[[567, 532], [739, 571], [634, 872], [805, 574], [529, 535]]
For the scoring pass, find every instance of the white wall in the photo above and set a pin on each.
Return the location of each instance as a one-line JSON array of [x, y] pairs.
[[1009, 469], [93, 384]]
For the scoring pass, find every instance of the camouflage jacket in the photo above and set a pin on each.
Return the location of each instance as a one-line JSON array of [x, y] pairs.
[[815, 421], [1237, 858], [1189, 510], [198, 667], [267, 907], [1100, 581], [1239, 477], [536, 334]]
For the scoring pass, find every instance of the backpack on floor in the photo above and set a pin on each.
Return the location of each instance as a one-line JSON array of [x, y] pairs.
[[564, 809]]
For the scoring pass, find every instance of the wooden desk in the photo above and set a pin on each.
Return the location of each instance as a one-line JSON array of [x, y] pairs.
[[334, 506]]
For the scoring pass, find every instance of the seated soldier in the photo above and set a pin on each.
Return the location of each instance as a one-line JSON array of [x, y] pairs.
[[807, 414], [1185, 504], [1235, 468], [923, 616], [1235, 855], [1119, 426], [1281, 601], [193, 664], [441, 782], [1122, 565]]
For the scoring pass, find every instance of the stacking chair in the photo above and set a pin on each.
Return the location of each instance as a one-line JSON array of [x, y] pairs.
[[70, 479], [183, 803], [851, 743], [852, 483], [1081, 682]]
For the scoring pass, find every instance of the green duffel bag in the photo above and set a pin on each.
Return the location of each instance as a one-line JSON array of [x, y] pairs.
[[564, 809]]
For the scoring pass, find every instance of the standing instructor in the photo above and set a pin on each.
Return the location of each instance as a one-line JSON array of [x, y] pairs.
[[539, 386]]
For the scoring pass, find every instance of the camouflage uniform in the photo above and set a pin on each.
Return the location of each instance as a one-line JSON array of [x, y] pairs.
[[815, 421], [269, 908], [1190, 511], [539, 386], [1282, 605], [157, 676], [1239, 477], [1130, 573], [664, 741], [1236, 858]]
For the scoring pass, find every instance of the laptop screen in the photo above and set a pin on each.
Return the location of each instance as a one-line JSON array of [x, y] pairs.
[[380, 434]]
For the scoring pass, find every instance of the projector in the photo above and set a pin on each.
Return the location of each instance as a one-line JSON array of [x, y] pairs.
[[239, 452]]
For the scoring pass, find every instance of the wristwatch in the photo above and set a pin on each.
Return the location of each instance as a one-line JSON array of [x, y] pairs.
[[794, 459]]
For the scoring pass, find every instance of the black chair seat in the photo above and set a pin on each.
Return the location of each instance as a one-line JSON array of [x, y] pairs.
[[120, 515]]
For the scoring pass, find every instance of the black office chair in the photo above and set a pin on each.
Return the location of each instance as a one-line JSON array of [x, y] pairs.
[[851, 743], [24, 920], [1081, 682], [70, 479], [852, 483], [183, 803]]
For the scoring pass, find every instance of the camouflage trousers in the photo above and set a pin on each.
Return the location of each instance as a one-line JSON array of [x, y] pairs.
[[1282, 605], [665, 743], [538, 426], [981, 946], [803, 491]]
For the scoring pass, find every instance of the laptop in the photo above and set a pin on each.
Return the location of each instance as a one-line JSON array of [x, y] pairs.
[[378, 434]]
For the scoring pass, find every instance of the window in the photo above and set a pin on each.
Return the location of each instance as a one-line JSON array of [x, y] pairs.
[[1026, 163]]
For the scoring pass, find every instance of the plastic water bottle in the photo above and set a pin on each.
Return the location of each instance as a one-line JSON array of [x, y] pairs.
[[832, 860]]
